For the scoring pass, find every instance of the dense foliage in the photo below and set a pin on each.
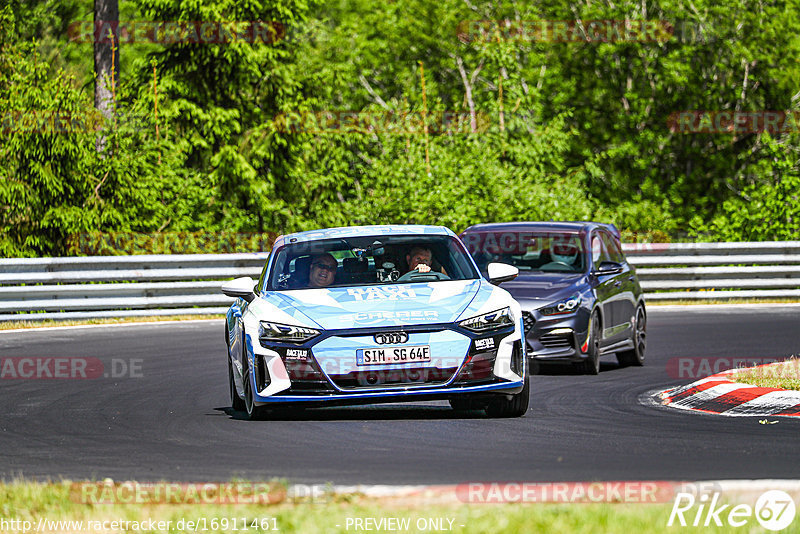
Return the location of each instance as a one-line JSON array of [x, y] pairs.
[[252, 137]]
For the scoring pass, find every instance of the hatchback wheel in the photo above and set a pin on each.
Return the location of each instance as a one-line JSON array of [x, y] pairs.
[[591, 365], [635, 356]]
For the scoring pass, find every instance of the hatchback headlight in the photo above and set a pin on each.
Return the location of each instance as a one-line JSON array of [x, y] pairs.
[[568, 305], [489, 321], [287, 333]]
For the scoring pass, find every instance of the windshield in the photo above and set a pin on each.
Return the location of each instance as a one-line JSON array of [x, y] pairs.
[[528, 251], [366, 261]]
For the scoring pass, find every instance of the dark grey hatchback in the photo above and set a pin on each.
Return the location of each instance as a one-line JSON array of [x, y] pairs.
[[580, 298]]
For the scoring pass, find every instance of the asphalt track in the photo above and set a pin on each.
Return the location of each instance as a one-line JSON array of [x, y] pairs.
[[173, 421]]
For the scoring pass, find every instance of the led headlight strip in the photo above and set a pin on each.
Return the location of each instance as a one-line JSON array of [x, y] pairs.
[[489, 321], [567, 305], [284, 332]]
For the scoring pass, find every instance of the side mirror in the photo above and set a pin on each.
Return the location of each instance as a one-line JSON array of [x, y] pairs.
[[240, 288], [501, 272], [607, 267]]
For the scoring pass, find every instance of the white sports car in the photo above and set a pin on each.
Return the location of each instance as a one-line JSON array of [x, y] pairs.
[[375, 314]]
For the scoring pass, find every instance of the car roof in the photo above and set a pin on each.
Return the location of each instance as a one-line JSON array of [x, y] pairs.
[[539, 226], [363, 231]]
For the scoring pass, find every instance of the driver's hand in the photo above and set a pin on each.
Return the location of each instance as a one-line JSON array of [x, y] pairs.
[[422, 268]]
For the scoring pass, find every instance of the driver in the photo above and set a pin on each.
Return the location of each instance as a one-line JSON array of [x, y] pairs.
[[565, 253], [419, 259], [322, 270]]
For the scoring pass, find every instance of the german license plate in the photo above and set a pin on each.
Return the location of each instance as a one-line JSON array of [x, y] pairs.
[[386, 355]]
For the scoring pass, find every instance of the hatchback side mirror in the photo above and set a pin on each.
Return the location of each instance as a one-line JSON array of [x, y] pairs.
[[240, 288], [607, 267]]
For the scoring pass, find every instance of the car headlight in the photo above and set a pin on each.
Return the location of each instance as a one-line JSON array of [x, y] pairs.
[[489, 321], [287, 333], [565, 306]]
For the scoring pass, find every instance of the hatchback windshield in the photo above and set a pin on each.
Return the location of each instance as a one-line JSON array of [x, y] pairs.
[[376, 260], [528, 251]]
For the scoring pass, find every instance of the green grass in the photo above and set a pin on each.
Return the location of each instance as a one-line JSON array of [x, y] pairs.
[[54, 501], [13, 325], [784, 375]]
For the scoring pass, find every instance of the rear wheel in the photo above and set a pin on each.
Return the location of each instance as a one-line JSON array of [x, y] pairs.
[[511, 405], [635, 356], [591, 365]]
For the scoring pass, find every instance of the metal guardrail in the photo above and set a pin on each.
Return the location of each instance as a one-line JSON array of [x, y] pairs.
[[705, 271], [121, 286]]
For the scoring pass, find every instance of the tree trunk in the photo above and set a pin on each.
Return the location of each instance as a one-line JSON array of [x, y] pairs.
[[106, 59]]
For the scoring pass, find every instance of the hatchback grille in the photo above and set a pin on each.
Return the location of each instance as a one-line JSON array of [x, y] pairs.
[[556, 341]]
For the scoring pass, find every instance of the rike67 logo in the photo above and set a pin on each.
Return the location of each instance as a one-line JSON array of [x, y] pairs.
[[774, 510]]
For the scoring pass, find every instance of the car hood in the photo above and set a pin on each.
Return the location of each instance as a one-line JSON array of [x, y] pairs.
[[543, 286], [380, 306]]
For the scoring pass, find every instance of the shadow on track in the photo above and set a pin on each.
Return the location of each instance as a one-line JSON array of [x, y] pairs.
[[370, 412], [569, 369]]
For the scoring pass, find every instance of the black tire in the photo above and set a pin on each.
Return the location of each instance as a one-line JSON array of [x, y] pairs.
[[591, 365], [635, 356], [253, 412], [511, 405], [236, 402]]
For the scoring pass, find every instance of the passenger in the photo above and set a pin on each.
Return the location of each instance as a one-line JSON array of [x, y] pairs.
[[322, 271]]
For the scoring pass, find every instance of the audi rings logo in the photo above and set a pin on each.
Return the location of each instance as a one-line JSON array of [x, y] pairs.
[[391, 338]]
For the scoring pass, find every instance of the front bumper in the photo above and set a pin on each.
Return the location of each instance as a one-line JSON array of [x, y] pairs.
[[324, 370], [506, 387], [557, 337]]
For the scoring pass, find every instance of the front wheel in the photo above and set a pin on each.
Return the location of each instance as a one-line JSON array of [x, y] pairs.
[[236, 401], [511, 405], [635, 356], [253, 412], [591, 365]]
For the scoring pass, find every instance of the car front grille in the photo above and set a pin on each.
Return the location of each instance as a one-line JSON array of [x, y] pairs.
[[409, 376], [479, 368], [306, 378], [556, 341]]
